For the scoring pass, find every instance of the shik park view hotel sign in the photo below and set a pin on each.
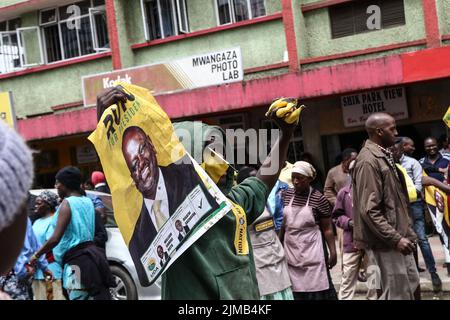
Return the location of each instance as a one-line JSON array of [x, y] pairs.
[[198, 71], [357, 108]]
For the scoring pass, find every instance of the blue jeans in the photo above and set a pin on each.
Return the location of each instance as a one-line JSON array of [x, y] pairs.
[[418, 219]]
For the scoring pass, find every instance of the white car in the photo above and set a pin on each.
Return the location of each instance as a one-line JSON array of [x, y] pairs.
[[122, 266]]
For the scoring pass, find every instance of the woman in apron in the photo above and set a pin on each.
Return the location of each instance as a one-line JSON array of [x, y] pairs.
[[306, 231]]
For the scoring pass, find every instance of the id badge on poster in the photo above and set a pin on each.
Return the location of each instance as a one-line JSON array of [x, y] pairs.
[[163, 200]]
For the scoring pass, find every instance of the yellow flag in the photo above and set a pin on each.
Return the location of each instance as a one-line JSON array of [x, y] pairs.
[[6, 109], [411, 188], [447, 118], [214, 165]]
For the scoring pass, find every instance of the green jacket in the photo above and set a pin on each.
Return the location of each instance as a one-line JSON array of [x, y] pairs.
[[210, 268]]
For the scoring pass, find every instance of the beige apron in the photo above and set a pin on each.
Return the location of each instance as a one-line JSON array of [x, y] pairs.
[[304, 249], [271, 267]]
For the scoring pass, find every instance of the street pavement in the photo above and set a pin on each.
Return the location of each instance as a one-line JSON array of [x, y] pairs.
[[425, 280]]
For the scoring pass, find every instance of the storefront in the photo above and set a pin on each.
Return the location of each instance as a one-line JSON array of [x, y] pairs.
[[52, 155], [253, 120], [327, 127], [418, 110]]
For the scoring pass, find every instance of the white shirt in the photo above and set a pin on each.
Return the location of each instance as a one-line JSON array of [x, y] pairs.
[[161, 194]]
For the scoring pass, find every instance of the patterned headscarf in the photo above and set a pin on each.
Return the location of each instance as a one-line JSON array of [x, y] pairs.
[[50, 198]]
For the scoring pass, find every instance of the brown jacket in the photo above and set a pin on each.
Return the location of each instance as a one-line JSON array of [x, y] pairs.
[[336, 180], [380, 202]]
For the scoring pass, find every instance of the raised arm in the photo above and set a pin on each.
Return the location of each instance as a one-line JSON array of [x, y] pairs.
[[270, 169], [108, 98], [429, 181]]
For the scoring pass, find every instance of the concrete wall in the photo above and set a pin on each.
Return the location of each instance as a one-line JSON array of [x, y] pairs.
[[318, 40], [300, 28], [36, 93], [201, 15], [5, 3], [125, 29], [133, 20], [443, 7], [30, 39], [261, 44]]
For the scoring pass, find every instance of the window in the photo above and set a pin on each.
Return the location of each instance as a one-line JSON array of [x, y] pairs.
[[9, 46], [350, 19], [19, 47], [74, 30], [164, 18], [231, 11]]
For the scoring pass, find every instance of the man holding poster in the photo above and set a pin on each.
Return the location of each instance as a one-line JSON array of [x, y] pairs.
[[219, 264], [153, 181]]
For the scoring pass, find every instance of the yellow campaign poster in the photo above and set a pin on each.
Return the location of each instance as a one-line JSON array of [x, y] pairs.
[[447, 117], [6, 109], [437, 204], [163, 200]]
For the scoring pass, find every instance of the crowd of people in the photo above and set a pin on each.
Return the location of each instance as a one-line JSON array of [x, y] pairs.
[[67, 230], [374, 201], [371, 206]]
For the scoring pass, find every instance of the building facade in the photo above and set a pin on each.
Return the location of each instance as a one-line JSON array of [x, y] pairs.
[[344, 59]]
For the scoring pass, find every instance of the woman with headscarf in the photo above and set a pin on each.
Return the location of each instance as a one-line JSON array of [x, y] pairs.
[[43, 288], [86, 273], [305, 232]]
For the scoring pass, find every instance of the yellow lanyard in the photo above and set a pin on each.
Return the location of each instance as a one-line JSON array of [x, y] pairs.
[[240, 238]]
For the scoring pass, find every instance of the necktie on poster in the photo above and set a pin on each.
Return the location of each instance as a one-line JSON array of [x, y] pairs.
[[160, 218], [139, 150]]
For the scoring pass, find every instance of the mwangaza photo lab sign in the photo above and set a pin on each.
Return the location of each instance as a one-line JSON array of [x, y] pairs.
[[209, 69], [358, 107]]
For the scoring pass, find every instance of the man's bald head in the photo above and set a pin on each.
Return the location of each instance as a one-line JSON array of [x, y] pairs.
[[381, 129], [408, 146], [377, 121], [407, 140]]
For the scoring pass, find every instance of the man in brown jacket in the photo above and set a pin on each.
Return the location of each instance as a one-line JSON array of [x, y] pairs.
[[338, 176], [381, 221]]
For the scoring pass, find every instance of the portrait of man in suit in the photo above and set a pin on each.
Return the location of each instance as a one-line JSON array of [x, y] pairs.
[[182, 230], [163, 256], [163, 190]]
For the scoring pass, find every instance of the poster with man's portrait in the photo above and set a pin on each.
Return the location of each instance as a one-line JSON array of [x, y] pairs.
[[436, 202], [161, 196]]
